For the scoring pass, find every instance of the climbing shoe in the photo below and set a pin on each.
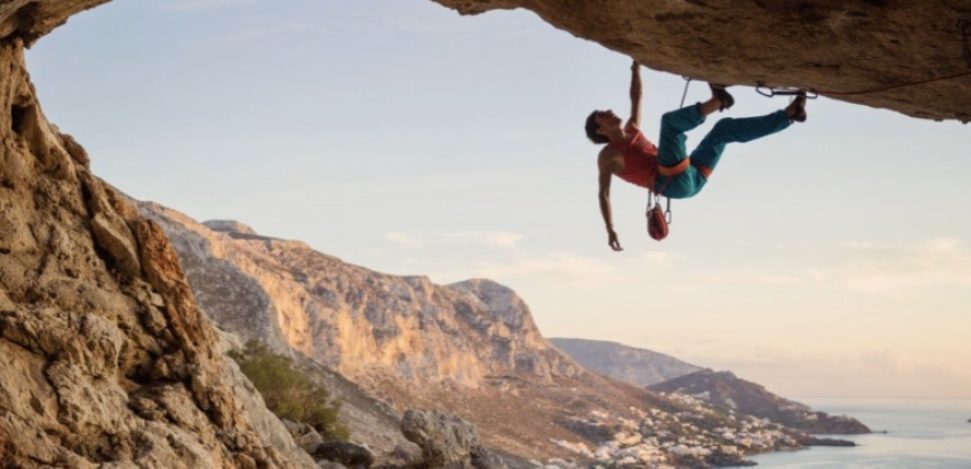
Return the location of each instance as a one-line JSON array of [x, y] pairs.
[[796, 110], [724, 98]]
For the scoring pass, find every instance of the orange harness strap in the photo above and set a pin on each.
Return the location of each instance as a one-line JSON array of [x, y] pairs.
[[671, 171], [682, 166]]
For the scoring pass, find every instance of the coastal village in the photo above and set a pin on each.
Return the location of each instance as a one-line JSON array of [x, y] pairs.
[[663, 439]]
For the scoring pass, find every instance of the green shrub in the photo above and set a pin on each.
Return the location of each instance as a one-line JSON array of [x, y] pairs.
[[288, 392]]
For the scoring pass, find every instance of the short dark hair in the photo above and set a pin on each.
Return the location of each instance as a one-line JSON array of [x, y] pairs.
[[592, 126]]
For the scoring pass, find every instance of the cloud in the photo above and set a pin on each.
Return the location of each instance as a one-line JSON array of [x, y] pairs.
[[490, 238], [747, 277], [873, 373], [934, 263], [661, 258], [867, 267], [405, 239], [501, 239], [572, 270]]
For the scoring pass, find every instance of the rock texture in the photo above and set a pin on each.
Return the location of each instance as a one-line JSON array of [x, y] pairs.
[[107, 360], [835, 46], [446, 441], [636, 366], [28, 20], [725, 391]]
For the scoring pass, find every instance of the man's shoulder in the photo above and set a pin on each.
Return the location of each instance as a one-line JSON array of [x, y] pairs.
[[608, 158], [608, 152]]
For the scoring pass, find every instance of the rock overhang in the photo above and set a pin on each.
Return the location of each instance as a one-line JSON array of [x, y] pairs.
[[858, 51], [28, 20], [907, 56]]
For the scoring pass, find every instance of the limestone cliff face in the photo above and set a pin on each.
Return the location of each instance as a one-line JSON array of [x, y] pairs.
[[106, 359], [362, 323], [839, 46]]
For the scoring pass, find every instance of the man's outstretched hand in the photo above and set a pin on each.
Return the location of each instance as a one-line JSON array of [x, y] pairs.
[[613, 241]]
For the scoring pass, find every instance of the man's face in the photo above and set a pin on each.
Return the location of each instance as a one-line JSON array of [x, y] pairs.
[[607, 120]]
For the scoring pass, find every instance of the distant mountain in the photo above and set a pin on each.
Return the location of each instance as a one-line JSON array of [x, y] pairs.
[[633, 365], [726, 391]]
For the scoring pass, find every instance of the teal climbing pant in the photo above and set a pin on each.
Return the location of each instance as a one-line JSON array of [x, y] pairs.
[[671, 149]]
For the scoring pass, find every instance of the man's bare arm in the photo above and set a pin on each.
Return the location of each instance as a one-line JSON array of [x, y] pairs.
[[604, 196], [635, 94]]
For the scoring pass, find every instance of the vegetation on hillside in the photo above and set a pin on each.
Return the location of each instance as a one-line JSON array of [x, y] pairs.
[[288, 392]]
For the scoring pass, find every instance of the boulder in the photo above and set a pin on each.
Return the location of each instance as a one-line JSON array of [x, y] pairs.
[[349, 454], [446, 441], [304, 435]]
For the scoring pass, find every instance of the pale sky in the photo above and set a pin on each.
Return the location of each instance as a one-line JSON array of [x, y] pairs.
[[832, 259]]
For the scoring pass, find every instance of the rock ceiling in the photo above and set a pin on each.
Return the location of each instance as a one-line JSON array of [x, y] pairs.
[[908, 56], [859, 51]]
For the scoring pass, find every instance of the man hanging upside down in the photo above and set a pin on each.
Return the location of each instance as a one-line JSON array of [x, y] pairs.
[[669, 170]]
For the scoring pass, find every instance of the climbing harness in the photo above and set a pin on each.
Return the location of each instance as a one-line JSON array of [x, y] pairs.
[[657, 219], [964, 26]]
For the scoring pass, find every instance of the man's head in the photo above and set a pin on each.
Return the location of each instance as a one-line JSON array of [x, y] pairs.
[[600, 124]]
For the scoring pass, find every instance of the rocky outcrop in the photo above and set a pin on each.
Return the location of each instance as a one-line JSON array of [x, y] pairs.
[[838, 47], [107, 360], [725, 391], [636, 366], [446, 441], [348, 454], [231, 227]]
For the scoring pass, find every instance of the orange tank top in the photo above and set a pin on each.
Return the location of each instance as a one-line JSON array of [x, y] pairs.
[[640, 159]]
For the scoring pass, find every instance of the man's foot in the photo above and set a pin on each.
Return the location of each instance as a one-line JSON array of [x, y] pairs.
[[796, 110], [724, 98]]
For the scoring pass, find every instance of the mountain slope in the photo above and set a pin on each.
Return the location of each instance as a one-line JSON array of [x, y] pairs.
[[724, 390], [469, 348], [636, 366], [413, 343]]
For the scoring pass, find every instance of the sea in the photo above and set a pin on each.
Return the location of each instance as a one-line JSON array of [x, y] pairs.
[[920, 433]]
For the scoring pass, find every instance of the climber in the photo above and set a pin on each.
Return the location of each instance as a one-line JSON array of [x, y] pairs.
[[669, 170]]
